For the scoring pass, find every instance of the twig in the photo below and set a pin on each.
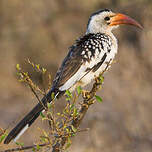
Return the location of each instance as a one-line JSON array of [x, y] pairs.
[[25, 148], [87, 101], [60, 141], [32, 87]]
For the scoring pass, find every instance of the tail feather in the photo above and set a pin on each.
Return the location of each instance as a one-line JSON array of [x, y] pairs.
[[24, 124], [27, 121]]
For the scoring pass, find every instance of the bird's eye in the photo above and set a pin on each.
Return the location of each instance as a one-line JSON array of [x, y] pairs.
[[107, 18]]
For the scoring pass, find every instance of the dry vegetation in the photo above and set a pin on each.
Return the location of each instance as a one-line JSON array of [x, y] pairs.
[[41, 30]]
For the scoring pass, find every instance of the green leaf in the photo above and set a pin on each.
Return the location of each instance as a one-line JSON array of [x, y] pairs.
[[43, 70], [42, 115], [99, 99], [18, 67], [43, 139], [73, 134], [75, 112], [101, 79], [33, 149], [79, 90], [3, 137], [19, 144], [73, 129], [49, 105], [52, 95], [38, 147], [67, 99], [68, 93], [71, 106], [59, 114], [38, 66], [67, 130], [68, 143]]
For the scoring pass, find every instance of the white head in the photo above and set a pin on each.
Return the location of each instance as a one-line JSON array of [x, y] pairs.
[[103, 21]]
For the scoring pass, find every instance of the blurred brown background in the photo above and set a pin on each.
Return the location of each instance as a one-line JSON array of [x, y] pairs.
[[42, 30]]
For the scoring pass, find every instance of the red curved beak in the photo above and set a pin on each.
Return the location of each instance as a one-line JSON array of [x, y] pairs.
[[124, 19]]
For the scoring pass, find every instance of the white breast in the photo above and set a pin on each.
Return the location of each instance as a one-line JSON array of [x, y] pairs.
[[91, 75], [82, 77]]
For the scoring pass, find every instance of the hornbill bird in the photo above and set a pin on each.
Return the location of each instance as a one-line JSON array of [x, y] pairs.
[[86, 59]]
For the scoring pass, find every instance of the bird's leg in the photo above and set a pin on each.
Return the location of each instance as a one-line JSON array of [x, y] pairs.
[[85, 94]]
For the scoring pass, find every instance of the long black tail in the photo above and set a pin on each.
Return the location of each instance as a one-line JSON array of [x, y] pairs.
[[27, 121]]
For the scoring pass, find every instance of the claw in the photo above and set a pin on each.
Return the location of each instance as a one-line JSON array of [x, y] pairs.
[[85, 94]]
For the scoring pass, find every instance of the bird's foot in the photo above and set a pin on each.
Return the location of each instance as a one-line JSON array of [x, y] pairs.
[[86, 94], [99, 80]]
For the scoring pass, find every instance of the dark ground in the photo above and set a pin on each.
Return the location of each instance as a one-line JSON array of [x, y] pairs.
[[42, 30]]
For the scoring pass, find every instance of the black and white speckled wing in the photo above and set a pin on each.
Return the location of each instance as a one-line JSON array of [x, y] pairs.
[[83, 60], [71, 65]]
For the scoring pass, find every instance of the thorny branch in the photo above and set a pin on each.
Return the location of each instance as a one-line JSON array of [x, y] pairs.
[[88, 99], [59, 142]]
